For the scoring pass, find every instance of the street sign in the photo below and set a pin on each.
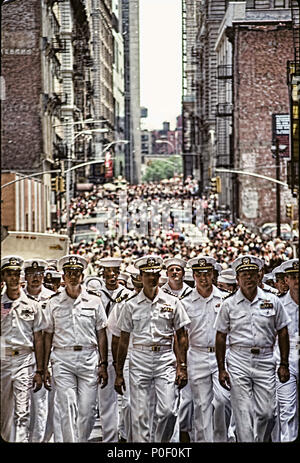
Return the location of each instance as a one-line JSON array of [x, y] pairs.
[[281, 132]]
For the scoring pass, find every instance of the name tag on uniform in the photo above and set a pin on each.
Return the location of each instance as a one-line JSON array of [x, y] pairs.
[[166, 308], [266, 305], [87, 308]]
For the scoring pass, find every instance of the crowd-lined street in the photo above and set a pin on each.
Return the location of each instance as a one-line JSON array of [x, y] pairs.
[[137, 254]]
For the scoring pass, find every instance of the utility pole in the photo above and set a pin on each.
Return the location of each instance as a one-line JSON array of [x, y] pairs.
[[277, 160]]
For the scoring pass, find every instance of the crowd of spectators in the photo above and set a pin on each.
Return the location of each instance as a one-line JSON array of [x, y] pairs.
[[222, 239]]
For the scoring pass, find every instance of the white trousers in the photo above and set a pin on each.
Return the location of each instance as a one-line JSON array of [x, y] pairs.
[[38, 415], [16, 384], [288, 404], [212, 408], [253, 394], [124, 406], [108, 406], [75, 378], [53, 425], [147, 368]]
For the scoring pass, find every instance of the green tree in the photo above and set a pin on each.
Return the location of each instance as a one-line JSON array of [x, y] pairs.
[[160, 169]]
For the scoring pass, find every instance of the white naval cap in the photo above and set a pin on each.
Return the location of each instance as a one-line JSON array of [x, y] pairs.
[[52, 263], [218, 267], [290, 266], [110, 262], [132, 271], [277, 271], [12, 263], [135, 277], [202, 263], [163, 277], [149, 263], [51, 274], [72, 261], [35, 265], [175, 261], [93, 283], [227, 276], [188, 275], [124, 276], [268, 277], [247, 262]]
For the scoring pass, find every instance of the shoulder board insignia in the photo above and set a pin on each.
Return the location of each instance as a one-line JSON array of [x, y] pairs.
[[229, 295], [185, 295], [122, 298]]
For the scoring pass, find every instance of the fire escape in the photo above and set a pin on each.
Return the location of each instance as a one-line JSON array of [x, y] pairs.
[[189, 85], [224, 116], [293, 75]]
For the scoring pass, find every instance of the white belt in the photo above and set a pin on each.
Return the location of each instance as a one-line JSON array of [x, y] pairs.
[[153, 347], [252, 350], [203, 349], [76, 348]]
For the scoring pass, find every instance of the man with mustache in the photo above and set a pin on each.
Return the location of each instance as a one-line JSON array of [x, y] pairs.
[[34, 274]]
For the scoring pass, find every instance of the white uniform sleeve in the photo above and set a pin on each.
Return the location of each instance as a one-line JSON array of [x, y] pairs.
[[112, 321], [181, 318], [49, 317], [40, 320], [101, 318], [281, 319], [222, 322], [125, 319]]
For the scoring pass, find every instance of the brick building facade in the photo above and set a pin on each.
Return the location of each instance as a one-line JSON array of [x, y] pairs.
[[260, 54]]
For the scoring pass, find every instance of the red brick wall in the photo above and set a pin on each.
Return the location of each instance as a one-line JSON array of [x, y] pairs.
[[21, 142], [260, 89]]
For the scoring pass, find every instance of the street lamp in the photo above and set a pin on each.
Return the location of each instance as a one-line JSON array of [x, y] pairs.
[[166, 141], [278, 149]]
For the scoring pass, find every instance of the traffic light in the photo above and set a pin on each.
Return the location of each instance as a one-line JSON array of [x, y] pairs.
[[289, 210], [61, 184], [213, 185], [54, 184]]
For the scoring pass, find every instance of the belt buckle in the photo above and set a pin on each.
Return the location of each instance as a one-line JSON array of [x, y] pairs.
[[77, 348], [211, 349], [155, 348], [255, 350], [14, 352]]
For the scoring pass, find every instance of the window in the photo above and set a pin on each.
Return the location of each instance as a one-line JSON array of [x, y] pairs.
[[250, 4], [279, 3]]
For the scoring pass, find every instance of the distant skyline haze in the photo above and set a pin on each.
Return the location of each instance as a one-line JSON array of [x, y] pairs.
[[160, 62]]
